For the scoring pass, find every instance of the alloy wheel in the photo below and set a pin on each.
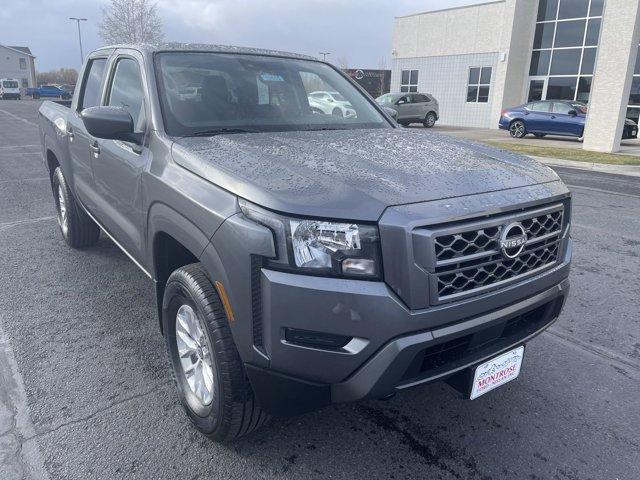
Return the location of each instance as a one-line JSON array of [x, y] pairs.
[[431, 120], [517, 129], [62, 211], [195, 354]]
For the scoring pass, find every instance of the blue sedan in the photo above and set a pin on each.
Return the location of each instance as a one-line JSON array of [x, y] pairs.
[[552, 117]]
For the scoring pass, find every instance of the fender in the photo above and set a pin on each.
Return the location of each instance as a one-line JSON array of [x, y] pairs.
[[162, 218]]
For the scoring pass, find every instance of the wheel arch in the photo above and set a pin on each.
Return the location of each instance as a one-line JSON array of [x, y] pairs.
[[173, 241]]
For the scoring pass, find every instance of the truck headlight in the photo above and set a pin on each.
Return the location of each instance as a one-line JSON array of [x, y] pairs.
[[321, 247]]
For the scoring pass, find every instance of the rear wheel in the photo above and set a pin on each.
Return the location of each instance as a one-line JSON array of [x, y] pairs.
[[517, 129], [336, 112], [77, 228], [208, 372], [429, 120]]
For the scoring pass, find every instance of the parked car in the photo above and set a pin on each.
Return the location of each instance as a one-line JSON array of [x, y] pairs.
[[412, 107], [552, 117], [48, 91], [9, 89], [67, 88], [298, 259], [330, 103]]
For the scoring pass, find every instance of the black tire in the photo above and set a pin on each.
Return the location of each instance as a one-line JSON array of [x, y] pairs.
[[233, 410], [77, 228], [517, 129], [429, 120], [336, 112], [539, 135]]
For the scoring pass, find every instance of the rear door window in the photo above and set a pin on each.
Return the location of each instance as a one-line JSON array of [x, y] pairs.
[[93, 80], [540, 107]]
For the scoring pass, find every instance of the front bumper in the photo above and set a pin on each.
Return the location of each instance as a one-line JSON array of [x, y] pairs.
[[393, 347]]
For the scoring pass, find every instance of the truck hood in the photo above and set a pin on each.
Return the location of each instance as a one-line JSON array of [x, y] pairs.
[[352, 174]]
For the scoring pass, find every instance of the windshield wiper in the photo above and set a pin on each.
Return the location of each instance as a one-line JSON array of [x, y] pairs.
[[221, 131]]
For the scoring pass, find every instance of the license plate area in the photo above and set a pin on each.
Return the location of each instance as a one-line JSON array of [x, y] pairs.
[[496, 372]]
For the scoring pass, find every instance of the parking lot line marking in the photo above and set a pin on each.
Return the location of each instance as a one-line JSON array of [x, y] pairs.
[[8, 225], [11, 147], [600, 190], [34, 179], [20, 118], [28, 455]]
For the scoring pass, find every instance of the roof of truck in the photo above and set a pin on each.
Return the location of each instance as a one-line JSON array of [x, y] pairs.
[[203, 47]]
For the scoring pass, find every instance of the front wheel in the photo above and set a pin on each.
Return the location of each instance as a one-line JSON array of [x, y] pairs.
[[77, 228], [209, 375], [517, 129], [430, 120]]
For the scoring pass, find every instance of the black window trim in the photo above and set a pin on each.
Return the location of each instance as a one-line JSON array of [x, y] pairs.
[[409, 85], [478, 84], [85, 76], [110, 68]]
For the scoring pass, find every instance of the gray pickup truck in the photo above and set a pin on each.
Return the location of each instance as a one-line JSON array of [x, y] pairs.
[[302, 259]]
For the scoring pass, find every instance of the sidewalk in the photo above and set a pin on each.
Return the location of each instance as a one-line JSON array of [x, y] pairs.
[[628, 170], [627, 147]]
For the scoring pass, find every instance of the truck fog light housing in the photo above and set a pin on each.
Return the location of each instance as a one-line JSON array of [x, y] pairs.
[[358, 266]]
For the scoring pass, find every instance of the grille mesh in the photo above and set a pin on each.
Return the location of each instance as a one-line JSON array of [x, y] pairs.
[[486, 239], [471, 258]]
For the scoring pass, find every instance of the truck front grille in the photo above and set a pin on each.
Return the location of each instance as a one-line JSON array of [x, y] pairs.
[[468, 258]]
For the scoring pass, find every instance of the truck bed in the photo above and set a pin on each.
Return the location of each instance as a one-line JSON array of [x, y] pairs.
[[52, 121]]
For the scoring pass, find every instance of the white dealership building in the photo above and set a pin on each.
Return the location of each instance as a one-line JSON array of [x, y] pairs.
[[477, 60]]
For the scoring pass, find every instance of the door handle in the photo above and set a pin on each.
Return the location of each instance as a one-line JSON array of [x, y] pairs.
[[553, 116], [95, 148]]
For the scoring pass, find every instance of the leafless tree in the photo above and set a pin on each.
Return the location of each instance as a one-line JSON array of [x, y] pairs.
[[382, 65], [343, 63], [130, 21], [63, 76]]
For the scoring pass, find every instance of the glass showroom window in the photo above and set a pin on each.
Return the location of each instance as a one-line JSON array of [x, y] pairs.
[[478, 84], [564, 49], [409, 81], [23, 63], [633, 109]]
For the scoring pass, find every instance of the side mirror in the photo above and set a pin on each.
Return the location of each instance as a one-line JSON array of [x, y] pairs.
[[400, 102], [110, 123], [573, 113], [391, 112]]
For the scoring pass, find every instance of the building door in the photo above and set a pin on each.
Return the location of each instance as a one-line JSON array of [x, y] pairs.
[[537, 89]]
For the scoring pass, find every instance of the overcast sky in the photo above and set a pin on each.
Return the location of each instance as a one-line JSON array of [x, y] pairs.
[[357, 30]]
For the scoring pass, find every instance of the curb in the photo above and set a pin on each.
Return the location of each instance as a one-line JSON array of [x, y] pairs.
[[627, 170]]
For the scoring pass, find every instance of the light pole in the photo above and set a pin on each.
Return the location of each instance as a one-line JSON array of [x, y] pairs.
[[78, 20], [324, 55]]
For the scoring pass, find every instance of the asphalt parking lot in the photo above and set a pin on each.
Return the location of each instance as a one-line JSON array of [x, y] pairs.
[[86, 393]]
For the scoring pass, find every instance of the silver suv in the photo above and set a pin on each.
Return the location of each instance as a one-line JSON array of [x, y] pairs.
[[412, 107]]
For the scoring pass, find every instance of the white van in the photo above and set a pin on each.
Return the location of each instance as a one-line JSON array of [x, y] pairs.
[[9, 88]]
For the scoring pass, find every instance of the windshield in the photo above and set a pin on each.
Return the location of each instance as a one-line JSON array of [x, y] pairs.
[[386, 99], [10, 84], [209, 92]]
